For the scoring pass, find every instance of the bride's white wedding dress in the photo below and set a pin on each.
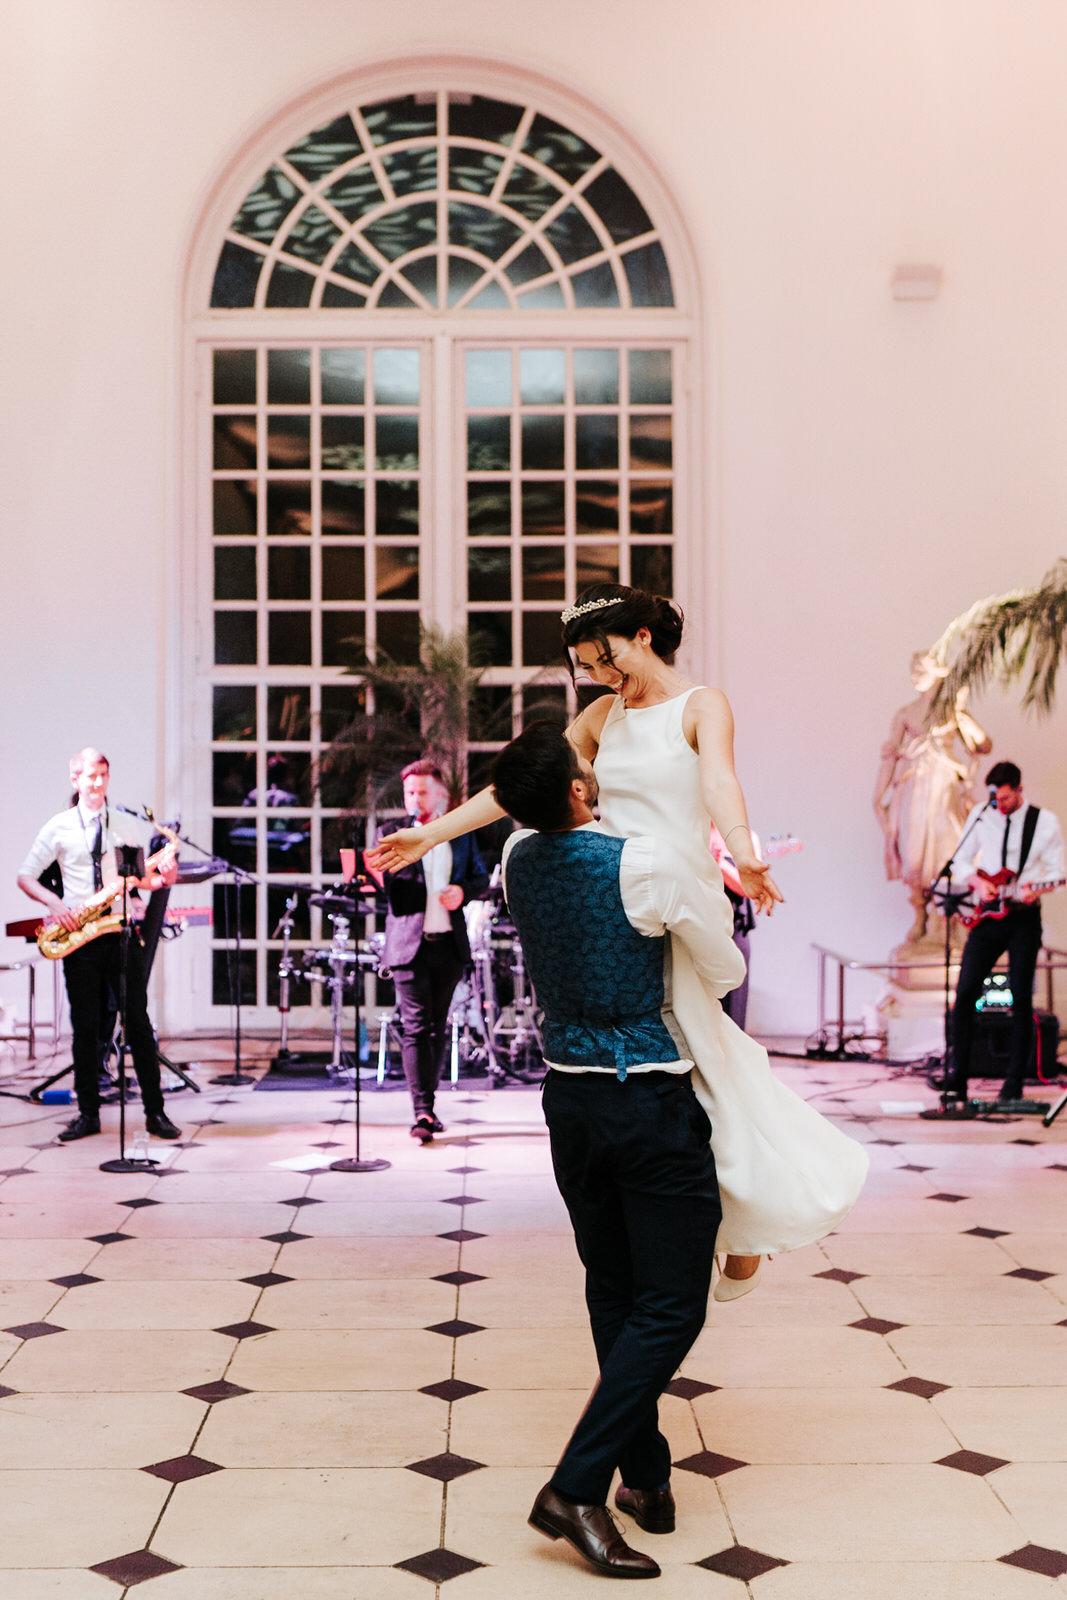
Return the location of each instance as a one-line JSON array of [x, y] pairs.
[[787, 1176]]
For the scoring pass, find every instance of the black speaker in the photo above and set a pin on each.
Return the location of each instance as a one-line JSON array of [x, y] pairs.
[[992, 1043]]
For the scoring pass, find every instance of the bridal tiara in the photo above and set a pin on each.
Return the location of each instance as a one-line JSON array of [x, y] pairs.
[[590, 605]]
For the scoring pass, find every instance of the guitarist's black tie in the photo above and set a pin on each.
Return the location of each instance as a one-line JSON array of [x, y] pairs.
[[97, 852]]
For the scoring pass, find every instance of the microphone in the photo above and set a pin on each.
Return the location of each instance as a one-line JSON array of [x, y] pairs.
[[130, 812], [991, 790]]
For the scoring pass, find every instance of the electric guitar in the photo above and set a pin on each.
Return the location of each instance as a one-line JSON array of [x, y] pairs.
[[999, 904]]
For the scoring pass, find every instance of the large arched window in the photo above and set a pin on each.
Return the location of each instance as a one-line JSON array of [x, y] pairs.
[[441, 373]]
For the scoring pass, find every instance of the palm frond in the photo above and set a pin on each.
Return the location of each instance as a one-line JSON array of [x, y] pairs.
[[1004, 638]]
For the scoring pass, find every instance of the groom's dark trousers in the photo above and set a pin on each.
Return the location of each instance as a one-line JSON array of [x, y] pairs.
[[635, 1169]]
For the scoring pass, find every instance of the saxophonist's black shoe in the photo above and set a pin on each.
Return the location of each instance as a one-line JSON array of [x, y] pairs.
[[81, 1128]]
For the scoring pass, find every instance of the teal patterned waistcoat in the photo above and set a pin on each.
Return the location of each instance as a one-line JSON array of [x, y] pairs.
[[599, 982]]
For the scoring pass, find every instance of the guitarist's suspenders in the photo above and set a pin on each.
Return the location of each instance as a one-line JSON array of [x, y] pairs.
[[1029, 829]]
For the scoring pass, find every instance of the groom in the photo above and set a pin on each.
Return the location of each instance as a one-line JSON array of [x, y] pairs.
[[629, 1140]]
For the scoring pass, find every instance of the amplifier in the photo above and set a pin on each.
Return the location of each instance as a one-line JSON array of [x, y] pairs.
[[992, 1037]]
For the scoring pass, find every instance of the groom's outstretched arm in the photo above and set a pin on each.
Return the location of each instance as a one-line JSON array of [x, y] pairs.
[[660, 893]]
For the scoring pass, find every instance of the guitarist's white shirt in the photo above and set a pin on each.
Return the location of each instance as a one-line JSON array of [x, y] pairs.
[[67, 838], [984, 847]]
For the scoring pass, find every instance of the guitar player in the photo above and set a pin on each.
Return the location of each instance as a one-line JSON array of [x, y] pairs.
[[82, 841], [1010, 854]]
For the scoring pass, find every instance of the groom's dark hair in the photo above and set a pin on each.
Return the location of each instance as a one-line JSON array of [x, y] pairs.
[[532, 777]]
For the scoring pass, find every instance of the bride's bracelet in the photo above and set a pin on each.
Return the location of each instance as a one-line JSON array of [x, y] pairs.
[[734, 830]]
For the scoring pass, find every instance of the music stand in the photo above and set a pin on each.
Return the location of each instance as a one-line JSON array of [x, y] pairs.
[[129, 861]]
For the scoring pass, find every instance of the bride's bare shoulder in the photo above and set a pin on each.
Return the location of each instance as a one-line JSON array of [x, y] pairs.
[[584, 732]]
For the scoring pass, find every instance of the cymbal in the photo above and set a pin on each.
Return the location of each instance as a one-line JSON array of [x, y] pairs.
[[346, 903]]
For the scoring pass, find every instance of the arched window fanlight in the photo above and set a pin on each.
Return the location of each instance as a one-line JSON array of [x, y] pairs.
[[442, 201]]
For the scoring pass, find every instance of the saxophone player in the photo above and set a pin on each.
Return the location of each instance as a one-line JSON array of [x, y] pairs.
[[81, 840]]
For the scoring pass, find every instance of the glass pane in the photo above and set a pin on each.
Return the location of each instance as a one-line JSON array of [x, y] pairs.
[[650, 377], [596, 440], [277, 896], [650, 440], [341, 704], [462, 275], [288, 377], [596, 377], [288, 509], [596, 287], [396, 443], [572, 236], [617, 206], [530, 193], [233, 712], [398, 636], [531, 264], [289, 286], [411, 170], [288, 712], [235, 377], [397, 573], [473, 171], [488, 444], [478, 117], [234, 838], [236, 277], [288, 779], [318, 153], [543, 572], [289, 573], [403, 118], [343, 377], [595, 563], [394, 295], [491, 298], [542, 442], [596, 506], [422, 275], [289, 441], [397, 233], [289, 638], [334, 295], [557, 147], [344, 638], [549, 298], [652, 567], [490, 713], [649, 276], [343, 576], [312, 236], [289, 844], [353, 263], [488, 510], [343, 448], [224, 977], [235, 639], [543, 509], [235, 573], [489, 233], [339, 774], [398, 509], [493, 629], [266, 206], [234, 507], [542, 377], [396, 377], [540, 638], [344, 509], [545, 700], [224, 897], [355, 194], [235, 442], [489, 573], [651, 508], [233, 778], [488, 377]]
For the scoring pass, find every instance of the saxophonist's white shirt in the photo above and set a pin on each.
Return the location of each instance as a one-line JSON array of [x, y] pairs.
[[67, 838]]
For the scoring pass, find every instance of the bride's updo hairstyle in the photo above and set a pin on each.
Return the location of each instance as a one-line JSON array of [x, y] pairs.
[[625, 614]]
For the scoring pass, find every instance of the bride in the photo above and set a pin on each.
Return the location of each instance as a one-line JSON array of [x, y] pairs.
[[662, 751]]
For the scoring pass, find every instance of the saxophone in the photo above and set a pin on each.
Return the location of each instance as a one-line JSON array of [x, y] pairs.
[[95, 916]]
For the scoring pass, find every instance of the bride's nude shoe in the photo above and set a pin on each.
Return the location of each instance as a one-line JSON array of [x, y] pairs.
[[733, 1288]]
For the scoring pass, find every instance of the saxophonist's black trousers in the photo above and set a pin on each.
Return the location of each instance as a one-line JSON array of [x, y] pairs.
[[89, 971]]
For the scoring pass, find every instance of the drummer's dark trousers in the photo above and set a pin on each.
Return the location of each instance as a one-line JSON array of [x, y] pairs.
[[89, 972], [424, 994]]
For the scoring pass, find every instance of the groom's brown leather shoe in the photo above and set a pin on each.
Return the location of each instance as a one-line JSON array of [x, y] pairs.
[[593, 1534], [651, 1509]]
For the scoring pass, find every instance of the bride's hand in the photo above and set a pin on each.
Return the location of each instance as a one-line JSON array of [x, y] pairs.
[[396, 850], [759, 886]]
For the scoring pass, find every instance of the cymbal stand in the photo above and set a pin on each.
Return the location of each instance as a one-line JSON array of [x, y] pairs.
[[339, 959], [285, 973]]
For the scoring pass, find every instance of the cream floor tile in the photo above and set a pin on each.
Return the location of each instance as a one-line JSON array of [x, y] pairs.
[[1016, 1424], [285, 1583], [868, 1513], [56, 1583], [527, 1427], [195, 1220], [21, 1300], [345, 1219], [43, 1221], [96, 1430], [984, 1357], [501, 1357], [555, 1572], [166, 1303], [1036, 1495], [226, 1188], [779, 1302], [514, 1217], [76, 1518], [384, 1429], [535, 1301], [298, 1518], [403, 1358], [139, 1260], [781, 1427], [1045, 1251], [543, 1255], [950, 1301], [914, 1216], [368, 1257], [1025, 1209], [889, 1580], [403, 1303], [801, 1358], [118, 1362], [396, 1184], [59, 1189], [893, 1255]]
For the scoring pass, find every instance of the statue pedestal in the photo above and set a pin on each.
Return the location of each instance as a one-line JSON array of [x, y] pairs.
[[913, 1005]]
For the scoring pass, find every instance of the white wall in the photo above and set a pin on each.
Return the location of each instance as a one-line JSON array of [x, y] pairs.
[[871, 467]]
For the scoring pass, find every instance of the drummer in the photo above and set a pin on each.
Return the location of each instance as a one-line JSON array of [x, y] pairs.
[[426, 944]]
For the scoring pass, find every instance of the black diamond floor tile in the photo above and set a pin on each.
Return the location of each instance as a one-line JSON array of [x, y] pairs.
[[461, 1235], [34, 1330], [876, 1325], [1031, 1274], [690, 1388], [1056, 1166], [14, 1172], [5, 1391], [448, 1389], [74, 1280], [456, 1328], [459, 1278], [1024, 1141], [890, 1142], [301, 1200], [911, 1167], [245, 1330], [971, 1461], [839, 1275], [182, 1469], [465, 1171], [923, 1387], [137, 1205], [212, 1393], [445, 1467], [950, 1199], [327, 1144], [108, 1238], [985, 1233], [137, 1567], [710, 1465], [1038, 1558], [462, 1200], [741, 1562], [288, 1237], [267, 1280], [439, 1565], [466, 1143]]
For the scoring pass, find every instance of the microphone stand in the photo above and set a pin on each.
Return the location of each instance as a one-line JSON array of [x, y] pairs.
[[127, 867], [949, 901]]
